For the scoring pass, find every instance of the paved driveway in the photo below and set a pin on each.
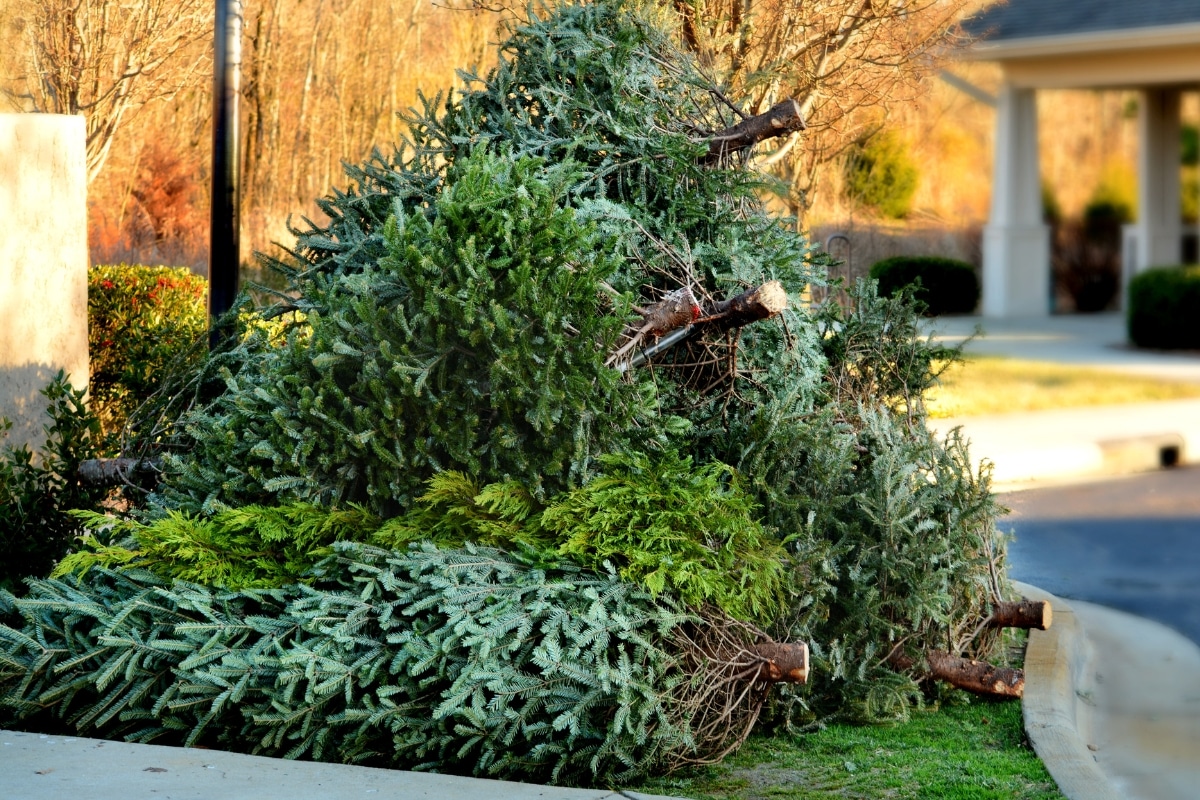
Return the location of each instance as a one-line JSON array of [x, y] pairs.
[[1130, 543]]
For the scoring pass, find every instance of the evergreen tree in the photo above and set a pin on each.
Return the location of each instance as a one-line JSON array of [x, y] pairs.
[[438, 337], [460, 311]]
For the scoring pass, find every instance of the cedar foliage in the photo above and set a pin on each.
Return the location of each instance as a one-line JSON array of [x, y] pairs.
[[662, 525], [669, 525]]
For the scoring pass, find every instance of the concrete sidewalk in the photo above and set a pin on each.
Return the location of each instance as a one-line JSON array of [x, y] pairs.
[[1086, 340], [1067, 444], [40, 767]]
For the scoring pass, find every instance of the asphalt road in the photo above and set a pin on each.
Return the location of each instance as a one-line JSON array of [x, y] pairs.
[[1128, 543]]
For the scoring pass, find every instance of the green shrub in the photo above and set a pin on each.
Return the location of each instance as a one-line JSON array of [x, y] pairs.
[[37, 490], [140, 321], [1113, 203], [1189, 145], [881, 173], [1164, 304], [1189, 203], [942, 285]]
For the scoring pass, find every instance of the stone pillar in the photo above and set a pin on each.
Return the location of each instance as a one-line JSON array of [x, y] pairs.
[[43, 264], [1016, 243], [1158, 232]]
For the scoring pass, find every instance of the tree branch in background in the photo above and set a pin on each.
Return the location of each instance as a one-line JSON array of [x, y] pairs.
[[104, 61], [845, 62]]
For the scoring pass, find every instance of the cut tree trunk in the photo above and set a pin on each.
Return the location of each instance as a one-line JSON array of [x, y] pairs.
[[976, 677], [785, 663], [1025, 614], [761, 302], [115, 471], [781, 119], [677, 309]]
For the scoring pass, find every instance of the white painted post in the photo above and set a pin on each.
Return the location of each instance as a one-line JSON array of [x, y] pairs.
[[43, 264], [1016, 243], [1158, 231]]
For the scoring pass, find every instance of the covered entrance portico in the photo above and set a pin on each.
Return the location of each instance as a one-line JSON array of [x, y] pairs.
[[1160, 62]]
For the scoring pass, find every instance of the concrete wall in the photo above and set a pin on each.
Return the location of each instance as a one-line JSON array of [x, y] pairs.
[[43, 264]]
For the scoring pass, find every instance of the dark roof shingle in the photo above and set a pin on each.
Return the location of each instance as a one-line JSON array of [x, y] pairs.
[[1024, 19]]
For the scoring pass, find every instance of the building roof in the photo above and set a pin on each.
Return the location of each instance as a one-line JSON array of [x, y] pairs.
[[1030, 19]]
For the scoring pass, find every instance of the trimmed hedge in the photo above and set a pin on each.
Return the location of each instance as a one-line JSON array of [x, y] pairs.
[[1164, 303], [942, 285], [140, 320]]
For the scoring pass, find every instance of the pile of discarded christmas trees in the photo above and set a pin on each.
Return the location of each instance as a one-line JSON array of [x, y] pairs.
[[542, 466]]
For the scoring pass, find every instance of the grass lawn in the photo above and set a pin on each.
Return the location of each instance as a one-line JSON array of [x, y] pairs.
[[964, 751], [992, 385]]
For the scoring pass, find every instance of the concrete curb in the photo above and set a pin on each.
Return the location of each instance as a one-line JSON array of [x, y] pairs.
[[1057, 720]]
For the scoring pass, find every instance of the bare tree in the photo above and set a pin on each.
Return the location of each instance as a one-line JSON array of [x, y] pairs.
[[845, 61], [103, 59]]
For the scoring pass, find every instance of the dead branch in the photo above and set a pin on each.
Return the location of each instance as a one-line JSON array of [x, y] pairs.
[[779, 120]]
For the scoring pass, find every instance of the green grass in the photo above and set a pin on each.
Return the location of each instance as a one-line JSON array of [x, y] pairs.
[[989, 385], [963, 751]]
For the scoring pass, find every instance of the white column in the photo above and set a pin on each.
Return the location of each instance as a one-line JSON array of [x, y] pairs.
[[1195, 231], [1158, 232], [1016, 243], [43, 264]]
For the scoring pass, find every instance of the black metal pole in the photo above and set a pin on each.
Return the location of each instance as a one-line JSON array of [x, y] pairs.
[[224, 230]]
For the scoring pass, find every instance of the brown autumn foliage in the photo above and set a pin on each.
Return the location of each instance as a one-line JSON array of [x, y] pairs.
[[322, 80], [848, 62]]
